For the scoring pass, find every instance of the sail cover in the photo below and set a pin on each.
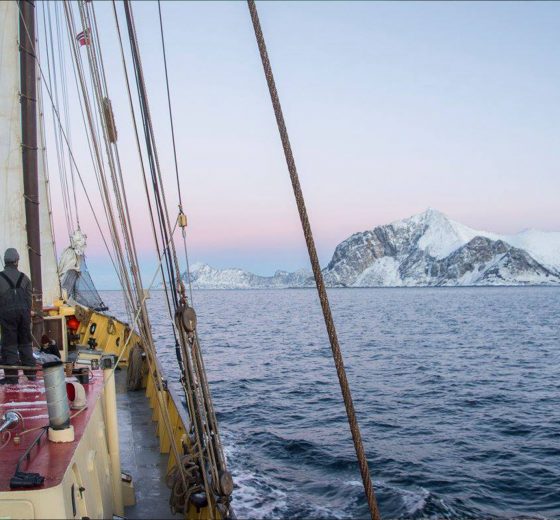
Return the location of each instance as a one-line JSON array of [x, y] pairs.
[[74, 276], [12, 203]]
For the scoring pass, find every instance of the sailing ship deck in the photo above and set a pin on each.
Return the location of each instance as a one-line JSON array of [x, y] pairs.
[[49, 459], [140, 455], [139, 446]]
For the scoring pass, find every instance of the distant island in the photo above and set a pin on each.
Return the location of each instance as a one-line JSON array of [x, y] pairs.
[[428, 249]]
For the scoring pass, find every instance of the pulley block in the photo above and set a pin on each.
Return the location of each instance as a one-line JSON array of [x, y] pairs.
[[226, 483], [182, 220], [185, 318]]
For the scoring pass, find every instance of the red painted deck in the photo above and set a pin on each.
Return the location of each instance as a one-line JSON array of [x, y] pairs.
[[48, 458]]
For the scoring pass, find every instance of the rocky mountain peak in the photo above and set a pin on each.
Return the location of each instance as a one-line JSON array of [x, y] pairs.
[[424, 249], [431, 249]]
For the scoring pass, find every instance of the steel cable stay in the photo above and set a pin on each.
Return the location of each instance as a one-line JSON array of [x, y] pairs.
[[169, 106], [91, 139], [66, 113], [89, 20], [170, 279], [111, 138], [155, 184], [186, 380], [181, 213], [323, 297], [61, 164], [216, 450], [85, 124]]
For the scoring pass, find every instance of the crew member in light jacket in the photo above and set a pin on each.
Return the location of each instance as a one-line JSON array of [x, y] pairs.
[[15, 318]]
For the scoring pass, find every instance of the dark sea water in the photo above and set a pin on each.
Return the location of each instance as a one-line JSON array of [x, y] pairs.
[[457, 392]]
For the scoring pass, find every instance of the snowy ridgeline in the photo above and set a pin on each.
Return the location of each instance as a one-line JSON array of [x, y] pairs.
[[427, 249]]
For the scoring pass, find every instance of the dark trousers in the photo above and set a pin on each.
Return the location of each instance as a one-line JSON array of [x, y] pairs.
[[16, 341]]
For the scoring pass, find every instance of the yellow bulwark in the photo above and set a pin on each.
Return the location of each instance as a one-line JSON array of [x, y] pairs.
[[105, 334]]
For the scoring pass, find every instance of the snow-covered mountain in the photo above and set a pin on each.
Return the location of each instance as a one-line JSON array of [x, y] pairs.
[[424, 250], [205, 277], [431, 249]]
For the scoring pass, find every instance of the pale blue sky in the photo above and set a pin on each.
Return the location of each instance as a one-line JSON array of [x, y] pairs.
[[391, 108]]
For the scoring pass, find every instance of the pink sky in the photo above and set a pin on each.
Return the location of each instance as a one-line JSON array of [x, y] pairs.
[[391, 108]]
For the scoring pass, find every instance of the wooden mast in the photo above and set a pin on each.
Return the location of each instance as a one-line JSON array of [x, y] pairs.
[[28, 99]]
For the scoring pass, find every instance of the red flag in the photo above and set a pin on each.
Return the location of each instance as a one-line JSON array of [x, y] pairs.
[[83, 37]]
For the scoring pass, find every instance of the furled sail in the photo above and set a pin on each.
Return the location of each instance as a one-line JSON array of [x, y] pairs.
[[13, 231], [74, 276]]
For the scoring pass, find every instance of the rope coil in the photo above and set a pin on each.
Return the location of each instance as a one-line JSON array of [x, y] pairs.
[[181, 492], [135, 370]]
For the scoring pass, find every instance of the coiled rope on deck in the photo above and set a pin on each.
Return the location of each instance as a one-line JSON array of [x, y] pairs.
[[135, 370], [181, 491], [337, 354]]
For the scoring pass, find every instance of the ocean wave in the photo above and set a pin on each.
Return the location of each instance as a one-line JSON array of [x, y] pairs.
[[455, 391]]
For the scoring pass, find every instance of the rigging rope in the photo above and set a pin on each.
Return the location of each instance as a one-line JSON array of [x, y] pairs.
[[206, 437], [183, 230], [155, 170], [62, 60], [51, 70], [66, 138], [92, 119], [323, 297], [157, 184], [101, 95], [169, 107], [144, 179], [206, 443], [42, 149]]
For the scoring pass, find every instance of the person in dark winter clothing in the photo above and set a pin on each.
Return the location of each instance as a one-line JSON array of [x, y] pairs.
[[15, 318], [49, 346]]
